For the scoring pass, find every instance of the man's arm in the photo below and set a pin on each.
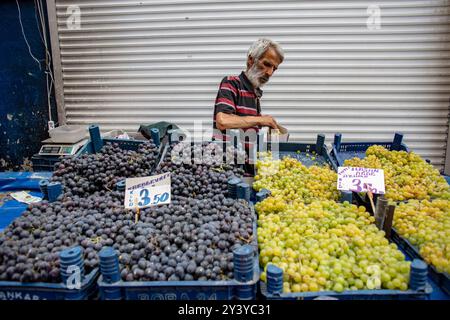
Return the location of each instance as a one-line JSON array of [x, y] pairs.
[[231, 121]]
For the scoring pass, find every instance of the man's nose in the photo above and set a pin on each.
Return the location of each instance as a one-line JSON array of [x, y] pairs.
[[270, 71]]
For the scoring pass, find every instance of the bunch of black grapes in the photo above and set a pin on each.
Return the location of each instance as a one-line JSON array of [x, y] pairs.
[[189, 239], [30, 245], [212, 154], [94, 172], [199, 171], [185, 240]]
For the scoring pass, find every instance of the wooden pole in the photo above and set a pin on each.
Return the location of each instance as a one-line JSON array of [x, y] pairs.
[[387, 226], [380, 212]]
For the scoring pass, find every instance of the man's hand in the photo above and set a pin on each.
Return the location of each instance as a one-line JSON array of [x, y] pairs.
[[282, 129], [268, 121]]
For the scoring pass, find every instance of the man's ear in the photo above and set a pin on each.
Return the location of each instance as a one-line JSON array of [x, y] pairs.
[[250, 62]]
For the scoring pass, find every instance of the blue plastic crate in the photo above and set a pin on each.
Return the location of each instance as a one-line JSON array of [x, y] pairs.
[[44, 163], [164, 149], [122, 143], [381, 294], [350, 294], [447, 178], [96, 141], [11, 290], [185, 290], [342, 151], [303, 152], [378, 294], [441, 279], [181, 290]]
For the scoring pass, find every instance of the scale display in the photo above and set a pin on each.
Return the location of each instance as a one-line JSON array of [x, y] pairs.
[[50, 149], [60, 149], [55, 150]]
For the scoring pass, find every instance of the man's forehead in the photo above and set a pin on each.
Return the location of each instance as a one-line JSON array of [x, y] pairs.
[[272, 55]]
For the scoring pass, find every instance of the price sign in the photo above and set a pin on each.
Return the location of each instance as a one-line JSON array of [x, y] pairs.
[[361, 180], [147, 191]]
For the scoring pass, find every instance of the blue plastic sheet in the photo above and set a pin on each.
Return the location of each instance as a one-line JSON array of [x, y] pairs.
[[11, 209], [447, 178], [13, 182]]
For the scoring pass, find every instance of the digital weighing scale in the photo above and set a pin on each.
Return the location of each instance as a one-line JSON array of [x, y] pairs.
[[53, 148]]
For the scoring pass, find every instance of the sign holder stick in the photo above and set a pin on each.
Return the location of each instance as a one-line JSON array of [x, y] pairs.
[[369, 193]]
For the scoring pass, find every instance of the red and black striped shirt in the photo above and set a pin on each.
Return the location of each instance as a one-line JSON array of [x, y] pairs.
[[237, 96]]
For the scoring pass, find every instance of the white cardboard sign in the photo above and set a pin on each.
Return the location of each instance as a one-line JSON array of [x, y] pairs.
[[147, 191], [361, 179], [25, 197]]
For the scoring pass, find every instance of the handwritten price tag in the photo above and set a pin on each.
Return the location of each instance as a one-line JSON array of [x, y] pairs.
[[147, 191], [361, 180]]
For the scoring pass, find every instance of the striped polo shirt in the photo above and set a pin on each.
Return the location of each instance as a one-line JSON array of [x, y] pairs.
[[237, 96]]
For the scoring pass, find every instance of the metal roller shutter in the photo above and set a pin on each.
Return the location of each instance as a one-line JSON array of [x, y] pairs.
[[136, 62]]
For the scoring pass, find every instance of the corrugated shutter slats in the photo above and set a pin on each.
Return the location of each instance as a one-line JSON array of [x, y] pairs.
[[137, 62]]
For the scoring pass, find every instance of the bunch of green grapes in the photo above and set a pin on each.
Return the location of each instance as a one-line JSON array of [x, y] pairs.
[[426, 224], [328, 246], [290, 180], [407, 175]]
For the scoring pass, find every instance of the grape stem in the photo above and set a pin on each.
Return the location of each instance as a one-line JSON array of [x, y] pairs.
[[250, 239]]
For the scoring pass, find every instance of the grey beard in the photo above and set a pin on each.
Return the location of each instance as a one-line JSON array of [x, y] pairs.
[[253, 74]]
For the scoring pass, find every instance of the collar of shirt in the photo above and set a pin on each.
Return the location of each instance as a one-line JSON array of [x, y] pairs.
[[249, 86]]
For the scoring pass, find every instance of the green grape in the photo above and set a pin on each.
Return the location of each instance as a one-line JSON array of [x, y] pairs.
[[350, 254], [426, 224], [290, 181], [407, 175]]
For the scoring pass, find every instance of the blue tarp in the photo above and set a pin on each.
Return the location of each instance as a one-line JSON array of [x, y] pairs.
[[447, 178], [17, 181], [12, 181], [12, 209]]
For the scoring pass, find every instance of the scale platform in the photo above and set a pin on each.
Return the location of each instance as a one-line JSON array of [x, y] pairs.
[[53, 148]]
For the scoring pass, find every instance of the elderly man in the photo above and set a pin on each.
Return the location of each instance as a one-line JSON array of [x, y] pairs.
[[237, 104]]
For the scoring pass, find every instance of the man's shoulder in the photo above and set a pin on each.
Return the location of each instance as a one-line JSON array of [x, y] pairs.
[[232, 79]]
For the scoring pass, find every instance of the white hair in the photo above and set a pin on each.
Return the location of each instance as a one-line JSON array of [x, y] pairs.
[[260, 46]]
